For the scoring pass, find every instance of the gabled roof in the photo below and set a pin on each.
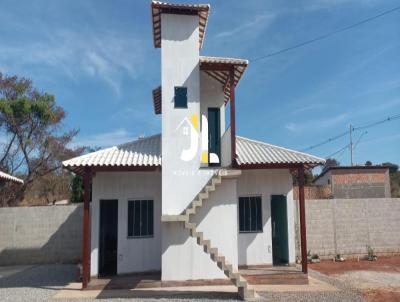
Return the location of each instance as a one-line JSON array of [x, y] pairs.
[[8, 177], [158, 8], [251, 152], [146, 152], [216, 67]]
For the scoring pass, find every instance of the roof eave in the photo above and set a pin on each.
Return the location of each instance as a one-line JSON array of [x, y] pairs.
[[158, 8], [256, 166]]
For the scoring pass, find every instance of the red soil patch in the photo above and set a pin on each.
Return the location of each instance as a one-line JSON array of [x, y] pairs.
[[382, 295], [384, 264]]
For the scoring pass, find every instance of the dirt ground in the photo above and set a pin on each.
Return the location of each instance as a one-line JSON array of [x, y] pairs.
[[378, 280]]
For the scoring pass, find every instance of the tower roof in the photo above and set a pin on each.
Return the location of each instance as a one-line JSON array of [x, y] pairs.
[[158, 8]]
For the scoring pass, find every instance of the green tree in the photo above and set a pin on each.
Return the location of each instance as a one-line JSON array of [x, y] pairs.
[[330, 162], [34, 144], [393, 168], [76, 188]]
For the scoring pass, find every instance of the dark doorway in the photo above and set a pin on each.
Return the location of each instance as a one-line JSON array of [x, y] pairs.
[[280, 249], [108, 242], [214, 135]]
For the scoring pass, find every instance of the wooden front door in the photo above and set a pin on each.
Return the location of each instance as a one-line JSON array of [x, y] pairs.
[[280, 248], [108, 242]]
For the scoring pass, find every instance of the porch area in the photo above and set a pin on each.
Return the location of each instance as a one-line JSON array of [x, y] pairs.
[[255, 275]]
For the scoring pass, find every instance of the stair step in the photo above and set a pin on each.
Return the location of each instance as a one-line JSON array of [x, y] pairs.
[[197, 203], [174, 218], [203, 195], [199, 237], [209, 188], [190, 226], [190, 211], [206, 245], [247, 294], [239, 281], [227, 270], [215, 257], [216, 180], [214, 251]]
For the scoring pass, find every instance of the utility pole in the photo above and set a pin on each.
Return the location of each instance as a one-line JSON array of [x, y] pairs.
[[351, 145]]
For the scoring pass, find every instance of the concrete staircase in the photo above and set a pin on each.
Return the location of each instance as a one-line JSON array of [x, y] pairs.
[[233, 274]]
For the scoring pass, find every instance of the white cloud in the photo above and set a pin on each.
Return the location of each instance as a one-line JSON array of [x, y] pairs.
[[107, 56], [317, 123], [257, 24], [326, 4], [106, 139]]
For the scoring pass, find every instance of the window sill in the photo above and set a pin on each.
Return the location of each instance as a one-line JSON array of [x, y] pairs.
[[251, 232], [140, 237]]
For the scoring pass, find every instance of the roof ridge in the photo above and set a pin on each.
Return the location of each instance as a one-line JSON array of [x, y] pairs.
[[224, 58], [279, 147]]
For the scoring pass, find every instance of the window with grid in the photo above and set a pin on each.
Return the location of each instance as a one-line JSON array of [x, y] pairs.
[[250, 214], [140, 218]]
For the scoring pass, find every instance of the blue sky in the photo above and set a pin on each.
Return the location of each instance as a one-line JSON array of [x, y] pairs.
[[97, 58]]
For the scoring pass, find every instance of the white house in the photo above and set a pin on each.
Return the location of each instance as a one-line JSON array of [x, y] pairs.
[[196, 201], [4, 177]]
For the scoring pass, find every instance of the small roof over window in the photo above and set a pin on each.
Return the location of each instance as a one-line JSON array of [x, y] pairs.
[[216, 67], [157, 100], [158, 8]]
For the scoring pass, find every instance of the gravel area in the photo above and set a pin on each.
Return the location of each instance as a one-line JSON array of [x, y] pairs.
[[41, 283], [346, 293], [36, 283]]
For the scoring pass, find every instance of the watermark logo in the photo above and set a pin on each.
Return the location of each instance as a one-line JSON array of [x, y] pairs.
[[189, 126]]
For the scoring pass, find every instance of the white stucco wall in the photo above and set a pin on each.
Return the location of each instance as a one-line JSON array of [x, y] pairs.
[[256, 248], [179, 67], [226, 149], [183, 258], [134, 254]]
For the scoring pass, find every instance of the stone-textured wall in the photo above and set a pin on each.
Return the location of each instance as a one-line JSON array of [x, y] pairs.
[[48, 234], [348, 226]]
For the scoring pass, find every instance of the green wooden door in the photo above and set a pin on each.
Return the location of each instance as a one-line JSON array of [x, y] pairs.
[[214, 134], [280, 249]]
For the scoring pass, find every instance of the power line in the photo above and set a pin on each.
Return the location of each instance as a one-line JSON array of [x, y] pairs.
[[362, 134], [390, 118], [324, 36], [341, 150], [373, 124], [336, 152], [331, 139]]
